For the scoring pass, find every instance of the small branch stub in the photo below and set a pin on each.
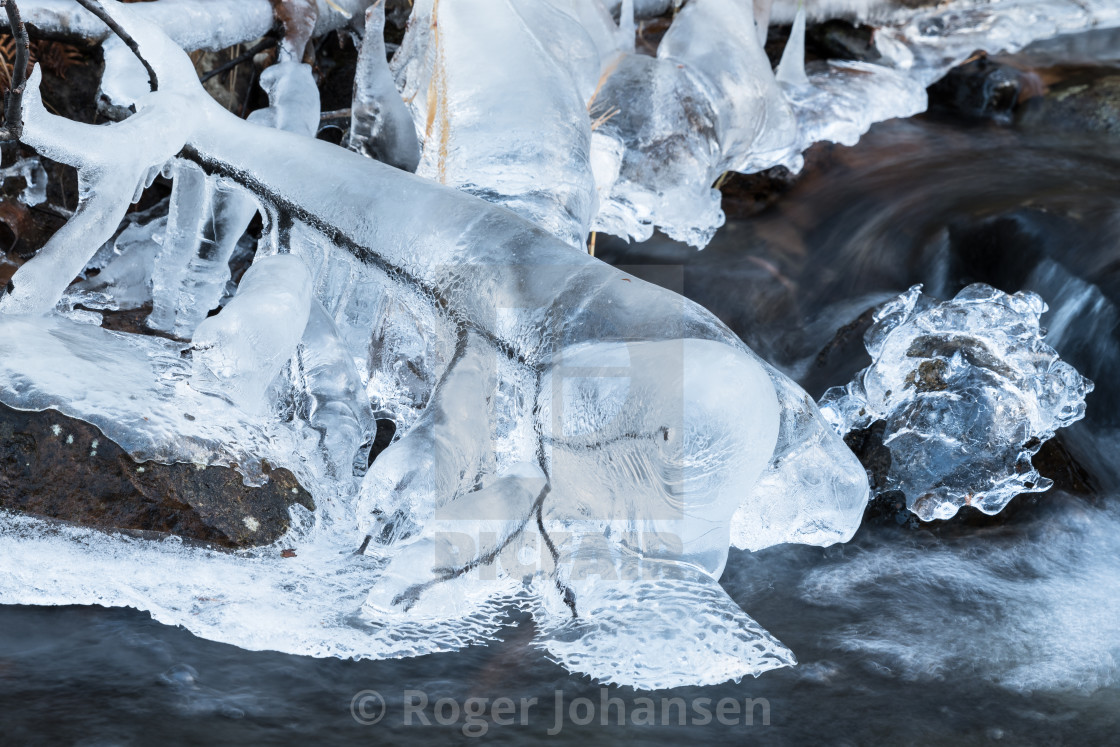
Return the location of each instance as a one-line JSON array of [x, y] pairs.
[[13, 99]]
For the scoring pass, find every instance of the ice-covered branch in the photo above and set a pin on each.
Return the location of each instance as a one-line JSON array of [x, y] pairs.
[[93, 6], [652, 427]]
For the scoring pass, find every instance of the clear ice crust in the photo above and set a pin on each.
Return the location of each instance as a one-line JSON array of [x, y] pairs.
[[968, 391], [570, 439]]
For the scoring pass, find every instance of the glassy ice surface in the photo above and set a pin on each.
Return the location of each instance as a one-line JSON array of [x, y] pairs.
[[531, 156], [571, 439], [968, 391], [564, 426]]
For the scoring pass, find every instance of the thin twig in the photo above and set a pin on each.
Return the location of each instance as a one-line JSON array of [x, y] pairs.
[[248, 94], [13, 99], [245, 56], [93, 6]]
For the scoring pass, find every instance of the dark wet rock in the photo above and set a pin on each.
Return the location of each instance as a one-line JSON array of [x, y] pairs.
[[745, 195], [867, 444], [61, 468], [833, 39], [979, 90], [1081, 104], [840, 40], [845, 352], [1058, 463]]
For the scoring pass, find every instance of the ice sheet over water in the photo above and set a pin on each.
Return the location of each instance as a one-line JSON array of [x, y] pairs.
[[968, 392]]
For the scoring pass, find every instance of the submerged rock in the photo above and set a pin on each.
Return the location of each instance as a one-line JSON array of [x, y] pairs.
[[980, 89], [62, 468], [1087, 103]]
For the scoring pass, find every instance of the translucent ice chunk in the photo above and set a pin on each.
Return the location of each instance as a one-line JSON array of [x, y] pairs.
[[968, 392], [126, 275], [708, 103], [244, 346], [34, 177], [531, 156], [336, 400], [928, 41], [293, 99], [841, 100], [442, 455]]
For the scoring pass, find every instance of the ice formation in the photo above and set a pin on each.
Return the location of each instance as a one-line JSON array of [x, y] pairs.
[[380, 125], [34, 179], [968, 392], [570, 439], [533, 157], [577, 441], [674, 109]]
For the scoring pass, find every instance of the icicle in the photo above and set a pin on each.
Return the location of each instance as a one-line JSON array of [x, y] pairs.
[[627, 29], [762, 19], [791, 69], [206, 220], [380, 125], [240, 350], [338, 407]]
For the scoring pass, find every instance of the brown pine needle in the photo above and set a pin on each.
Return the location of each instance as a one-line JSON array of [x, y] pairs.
[[607, 72], [603, 118]]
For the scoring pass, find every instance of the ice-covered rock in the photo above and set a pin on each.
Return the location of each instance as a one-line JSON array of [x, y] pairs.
[[968, 391]]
